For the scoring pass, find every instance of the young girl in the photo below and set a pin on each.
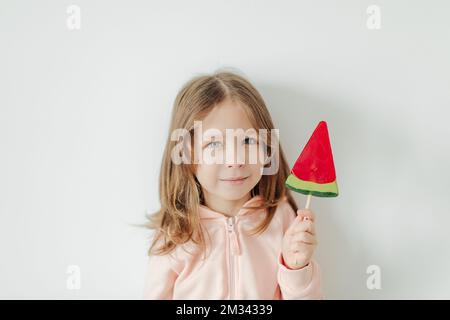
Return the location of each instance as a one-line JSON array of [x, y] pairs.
[[225, 229]]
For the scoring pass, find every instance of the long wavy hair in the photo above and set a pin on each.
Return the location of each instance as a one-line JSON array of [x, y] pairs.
[[178, 221]]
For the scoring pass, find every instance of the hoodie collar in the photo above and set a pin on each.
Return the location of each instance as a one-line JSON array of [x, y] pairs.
[[206, 212]]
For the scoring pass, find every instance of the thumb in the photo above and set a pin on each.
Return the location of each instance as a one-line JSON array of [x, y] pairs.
[[293, 224], [305, 214]]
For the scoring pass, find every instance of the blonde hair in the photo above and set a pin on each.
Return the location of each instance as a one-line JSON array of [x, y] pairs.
[[178, 221]]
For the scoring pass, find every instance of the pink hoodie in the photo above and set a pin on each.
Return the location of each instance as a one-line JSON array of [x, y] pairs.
[[239, 266]]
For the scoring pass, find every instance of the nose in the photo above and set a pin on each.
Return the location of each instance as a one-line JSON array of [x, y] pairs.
[[236, 156], [235, 165]]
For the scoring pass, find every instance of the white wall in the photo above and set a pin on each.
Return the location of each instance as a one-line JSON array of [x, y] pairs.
[[84, 116]]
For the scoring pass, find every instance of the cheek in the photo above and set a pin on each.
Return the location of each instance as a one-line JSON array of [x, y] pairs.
[[255, 170], [207, 175]]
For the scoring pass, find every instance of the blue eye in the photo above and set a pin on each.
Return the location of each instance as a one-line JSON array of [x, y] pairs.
[[213, 144], [249, 140]]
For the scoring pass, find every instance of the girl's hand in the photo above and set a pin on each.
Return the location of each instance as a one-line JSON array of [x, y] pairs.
[[299, 241]]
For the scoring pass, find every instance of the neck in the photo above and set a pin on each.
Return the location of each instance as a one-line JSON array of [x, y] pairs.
[[223, 206]]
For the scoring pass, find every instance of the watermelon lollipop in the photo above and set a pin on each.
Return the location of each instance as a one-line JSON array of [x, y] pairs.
[[313, 172]]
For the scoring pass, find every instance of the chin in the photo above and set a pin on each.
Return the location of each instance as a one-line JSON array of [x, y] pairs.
[[233, 195]]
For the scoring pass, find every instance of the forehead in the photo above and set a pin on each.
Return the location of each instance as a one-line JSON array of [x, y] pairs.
[[227, 115]]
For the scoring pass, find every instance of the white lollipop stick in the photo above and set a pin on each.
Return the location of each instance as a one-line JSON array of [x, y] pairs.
[[308, 201]]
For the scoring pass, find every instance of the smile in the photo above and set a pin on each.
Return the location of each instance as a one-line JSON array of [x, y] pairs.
[[233, 181]]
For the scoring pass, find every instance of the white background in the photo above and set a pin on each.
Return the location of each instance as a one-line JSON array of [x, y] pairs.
[[84, 117]]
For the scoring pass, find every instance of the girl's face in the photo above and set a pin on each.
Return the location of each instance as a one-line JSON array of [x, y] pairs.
[[219, 177]]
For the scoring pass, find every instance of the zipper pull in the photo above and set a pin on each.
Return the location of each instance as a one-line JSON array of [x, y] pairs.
[[235, 250], [230, 223]]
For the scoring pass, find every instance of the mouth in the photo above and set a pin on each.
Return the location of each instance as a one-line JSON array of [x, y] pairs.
[[235, 180]]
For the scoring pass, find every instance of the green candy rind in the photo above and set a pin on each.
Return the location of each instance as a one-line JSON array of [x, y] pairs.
[[315, 189]]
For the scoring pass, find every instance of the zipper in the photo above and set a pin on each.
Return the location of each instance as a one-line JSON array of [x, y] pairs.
[[233, 250]]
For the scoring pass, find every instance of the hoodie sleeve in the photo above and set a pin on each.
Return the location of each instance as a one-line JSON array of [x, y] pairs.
[[301, 283], [304, 283], [161, 274]]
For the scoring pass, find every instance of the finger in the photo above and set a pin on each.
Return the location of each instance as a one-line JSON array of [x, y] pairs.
[[301, 248], [294, 224], [304, 237], [306, 214], [305, 226]]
